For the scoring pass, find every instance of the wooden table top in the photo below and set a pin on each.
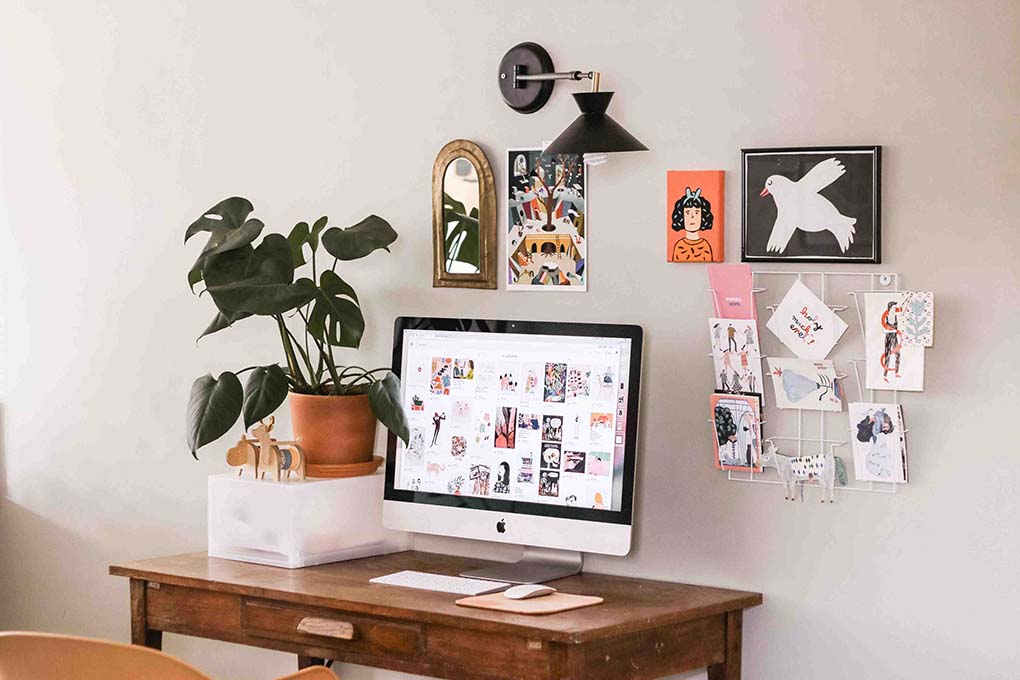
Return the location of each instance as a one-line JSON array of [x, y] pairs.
[[630, 604]]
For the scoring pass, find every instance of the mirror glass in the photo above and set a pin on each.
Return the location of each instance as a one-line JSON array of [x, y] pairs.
[[462, 248]]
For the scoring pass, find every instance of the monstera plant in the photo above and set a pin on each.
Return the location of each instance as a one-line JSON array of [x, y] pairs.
[[317, 316]]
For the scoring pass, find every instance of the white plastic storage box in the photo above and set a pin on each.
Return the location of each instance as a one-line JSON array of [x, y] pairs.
[[298, 523]]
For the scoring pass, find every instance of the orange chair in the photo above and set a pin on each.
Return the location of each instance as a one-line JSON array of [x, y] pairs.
[[45, 656]]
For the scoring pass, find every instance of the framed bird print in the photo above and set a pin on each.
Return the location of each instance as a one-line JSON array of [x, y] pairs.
[[811, 204]]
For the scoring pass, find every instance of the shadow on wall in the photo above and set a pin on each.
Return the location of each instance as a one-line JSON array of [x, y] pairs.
[[3, 454], [49, 578]]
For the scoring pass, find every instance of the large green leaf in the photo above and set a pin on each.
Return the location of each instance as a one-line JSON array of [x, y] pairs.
[[369, 235], [228, 214], [257, 281], [336, 317], [265, 390], [222, 321], [331, 282], [335, 320], [220, 241], [384, 395], [297, 238], [264, 299], [317, 228], [213, 408]]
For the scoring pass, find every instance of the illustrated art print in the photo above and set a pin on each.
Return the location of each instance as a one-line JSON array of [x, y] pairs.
[[737, 441], [817, 204], [919, 318], [879, 442], [891, 363], [803, 384], [736, 354], [694, 215], [546, 238]]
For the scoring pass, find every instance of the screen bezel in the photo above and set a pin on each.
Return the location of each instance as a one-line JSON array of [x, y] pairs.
[[632, 332]]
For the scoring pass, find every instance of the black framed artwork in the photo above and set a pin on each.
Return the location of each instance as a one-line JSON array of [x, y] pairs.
[[811, 204]]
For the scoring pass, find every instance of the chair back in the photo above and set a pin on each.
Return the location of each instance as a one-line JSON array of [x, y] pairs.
[[311, 673], [45, 656]]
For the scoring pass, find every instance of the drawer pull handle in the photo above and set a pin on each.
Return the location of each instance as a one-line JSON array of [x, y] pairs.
[[312, 625]]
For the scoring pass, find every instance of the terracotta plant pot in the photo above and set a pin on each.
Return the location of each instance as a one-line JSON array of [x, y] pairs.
[[337, 433]]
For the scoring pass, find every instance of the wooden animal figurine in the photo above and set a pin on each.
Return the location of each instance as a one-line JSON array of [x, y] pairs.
[[243, 455], [826, 468], [278, 456]]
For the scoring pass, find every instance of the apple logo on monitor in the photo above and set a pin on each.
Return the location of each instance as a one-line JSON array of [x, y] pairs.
[[501, 526]]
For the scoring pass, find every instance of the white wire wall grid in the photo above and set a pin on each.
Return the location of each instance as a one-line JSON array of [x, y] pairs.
[[827, 433]]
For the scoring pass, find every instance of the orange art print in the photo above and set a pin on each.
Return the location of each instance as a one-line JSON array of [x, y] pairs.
[[694, 215]]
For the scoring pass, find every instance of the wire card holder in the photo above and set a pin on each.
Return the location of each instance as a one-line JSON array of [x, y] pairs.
[[802, 441]]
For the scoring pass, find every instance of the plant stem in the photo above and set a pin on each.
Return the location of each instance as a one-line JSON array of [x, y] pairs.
[[317, 372], [366, 375], [343, 374], [288, 351], [304, 355], [331, 365], [308, 310]]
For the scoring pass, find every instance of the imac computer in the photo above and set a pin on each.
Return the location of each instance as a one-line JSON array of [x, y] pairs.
[[520, 431]]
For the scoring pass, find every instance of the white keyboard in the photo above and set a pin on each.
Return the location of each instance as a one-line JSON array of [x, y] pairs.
[[438, 582]]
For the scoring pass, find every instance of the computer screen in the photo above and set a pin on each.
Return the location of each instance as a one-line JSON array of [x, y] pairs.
[[529, 417]]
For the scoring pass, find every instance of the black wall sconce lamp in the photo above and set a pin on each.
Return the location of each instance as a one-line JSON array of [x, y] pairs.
[[526, 81]]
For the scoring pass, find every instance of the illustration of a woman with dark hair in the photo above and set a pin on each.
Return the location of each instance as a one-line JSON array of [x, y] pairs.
[[502, 484], [692, 215]]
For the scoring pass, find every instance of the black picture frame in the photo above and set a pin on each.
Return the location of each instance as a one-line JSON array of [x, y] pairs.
[[856, 194]]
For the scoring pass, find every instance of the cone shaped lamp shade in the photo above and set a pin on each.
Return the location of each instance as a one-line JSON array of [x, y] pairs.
[[594, 131]]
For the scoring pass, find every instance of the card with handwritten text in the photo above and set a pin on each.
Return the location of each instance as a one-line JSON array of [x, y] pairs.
[[805, 324]]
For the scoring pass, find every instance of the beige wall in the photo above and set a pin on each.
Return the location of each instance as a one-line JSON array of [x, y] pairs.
[[121, 119]]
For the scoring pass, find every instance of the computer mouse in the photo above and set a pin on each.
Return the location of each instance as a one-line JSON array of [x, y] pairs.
[[526, 592]]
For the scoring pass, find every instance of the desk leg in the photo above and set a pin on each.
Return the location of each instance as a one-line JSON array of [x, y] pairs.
[[304, 662], [141, 634], [730, 668]]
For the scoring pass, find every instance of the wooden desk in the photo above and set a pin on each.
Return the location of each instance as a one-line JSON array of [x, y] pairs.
[[645, 629]]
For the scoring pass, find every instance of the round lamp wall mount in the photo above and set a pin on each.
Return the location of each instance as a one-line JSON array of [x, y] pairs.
[[526, 81]]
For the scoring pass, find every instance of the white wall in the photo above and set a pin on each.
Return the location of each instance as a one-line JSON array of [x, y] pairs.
[[120, 120]]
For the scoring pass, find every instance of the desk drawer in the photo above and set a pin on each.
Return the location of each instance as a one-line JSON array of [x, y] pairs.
[[353, 634]]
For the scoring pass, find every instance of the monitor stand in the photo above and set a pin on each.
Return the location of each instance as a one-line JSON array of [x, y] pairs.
[[537, 565]]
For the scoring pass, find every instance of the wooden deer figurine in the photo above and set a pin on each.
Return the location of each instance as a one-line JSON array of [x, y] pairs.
[[278, 456]]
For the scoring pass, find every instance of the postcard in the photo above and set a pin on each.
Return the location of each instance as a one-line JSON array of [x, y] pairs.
[[803, 384], [736, 354], [890, 363], [805, 324], [879, 444], [737, 440]]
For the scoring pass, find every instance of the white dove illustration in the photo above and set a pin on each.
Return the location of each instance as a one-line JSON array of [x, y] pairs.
[[800, 206]]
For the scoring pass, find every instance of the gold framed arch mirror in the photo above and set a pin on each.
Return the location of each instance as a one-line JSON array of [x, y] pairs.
[[463, 218]]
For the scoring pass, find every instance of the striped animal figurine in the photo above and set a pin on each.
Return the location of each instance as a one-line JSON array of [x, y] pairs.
[[278, 456], [825, 468], [262, 453]]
